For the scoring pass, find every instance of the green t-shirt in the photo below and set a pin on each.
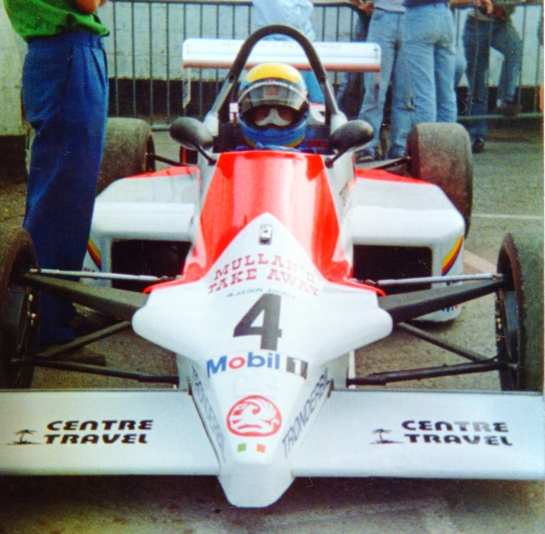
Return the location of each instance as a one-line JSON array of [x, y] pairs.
[[40, 18]]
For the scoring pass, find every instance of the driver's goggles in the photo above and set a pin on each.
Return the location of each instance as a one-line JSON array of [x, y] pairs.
[[279, 116]]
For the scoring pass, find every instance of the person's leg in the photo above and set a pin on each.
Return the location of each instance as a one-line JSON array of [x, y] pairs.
[[506, 40], [350, 93], [402, 107], [383, 30], [419, 37], [477, 46], [65, 100], [445, 68]]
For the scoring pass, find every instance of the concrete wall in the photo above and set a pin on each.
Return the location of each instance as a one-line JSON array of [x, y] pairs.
[[146, 38], [11, 62], [13, 134]]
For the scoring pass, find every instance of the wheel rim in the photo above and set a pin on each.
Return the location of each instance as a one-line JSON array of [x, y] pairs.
[[19, 318], [18, 312], [508, 339], [519, 313]]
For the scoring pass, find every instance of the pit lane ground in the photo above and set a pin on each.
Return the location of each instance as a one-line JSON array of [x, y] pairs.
[[508, 192]]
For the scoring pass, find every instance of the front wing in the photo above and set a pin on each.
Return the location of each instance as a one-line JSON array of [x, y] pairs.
[[426, 435], [357, 434], [103, 433]]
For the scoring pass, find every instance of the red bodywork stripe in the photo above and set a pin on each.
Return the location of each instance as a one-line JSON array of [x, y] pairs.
[[170, 171], [378, 174], [293, 187]]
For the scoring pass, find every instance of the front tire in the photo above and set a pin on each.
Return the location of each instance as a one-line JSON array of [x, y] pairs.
[[129, 142], [519, 313], [440, 153], [19, 307]]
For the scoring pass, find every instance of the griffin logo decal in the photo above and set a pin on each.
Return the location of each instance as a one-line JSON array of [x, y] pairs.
[[254, 416]]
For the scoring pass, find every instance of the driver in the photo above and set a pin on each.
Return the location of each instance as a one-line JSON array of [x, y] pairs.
[[273, 106]]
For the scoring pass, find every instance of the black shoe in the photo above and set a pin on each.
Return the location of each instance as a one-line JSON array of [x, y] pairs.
[[510, 109], [478, 146]]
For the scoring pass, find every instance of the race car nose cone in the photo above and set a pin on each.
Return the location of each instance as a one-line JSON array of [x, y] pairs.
[[255, 486]]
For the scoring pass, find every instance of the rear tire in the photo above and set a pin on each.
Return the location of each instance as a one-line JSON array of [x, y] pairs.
[[19, 307], [440, 153], [519, 313], [128, 143]]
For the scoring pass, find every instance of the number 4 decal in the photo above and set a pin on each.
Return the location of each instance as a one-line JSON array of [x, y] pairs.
[[270, 331]]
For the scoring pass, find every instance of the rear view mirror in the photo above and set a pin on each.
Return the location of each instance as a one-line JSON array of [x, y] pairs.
[[193, 134], [349, 136]]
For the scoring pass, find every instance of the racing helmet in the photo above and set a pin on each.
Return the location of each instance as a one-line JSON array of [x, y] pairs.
[[273, 105]]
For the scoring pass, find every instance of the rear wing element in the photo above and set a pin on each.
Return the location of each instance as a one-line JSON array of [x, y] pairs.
[[220, 53]]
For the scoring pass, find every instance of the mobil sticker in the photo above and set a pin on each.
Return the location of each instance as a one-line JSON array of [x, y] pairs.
[[257, 360]]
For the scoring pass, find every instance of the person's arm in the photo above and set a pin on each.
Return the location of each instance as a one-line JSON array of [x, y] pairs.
[[484, 5], [364, 5], [88, 6]]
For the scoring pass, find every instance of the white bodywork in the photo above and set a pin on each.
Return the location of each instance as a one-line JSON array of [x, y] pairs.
[[373, 212], [431, 434], [286, 398]]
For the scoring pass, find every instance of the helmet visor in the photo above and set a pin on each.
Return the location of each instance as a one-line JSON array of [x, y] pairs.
[[277, 116], [272, 94]]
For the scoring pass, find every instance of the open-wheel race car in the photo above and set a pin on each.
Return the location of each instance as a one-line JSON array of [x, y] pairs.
[[263, 270]]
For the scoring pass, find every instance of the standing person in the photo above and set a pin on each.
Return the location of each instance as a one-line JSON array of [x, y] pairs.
[[481, 32], [429, 50], [386, 29], [297, 14], [65, 95]]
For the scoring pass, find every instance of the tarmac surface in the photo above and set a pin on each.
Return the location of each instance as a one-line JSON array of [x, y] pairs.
[[508, 195]]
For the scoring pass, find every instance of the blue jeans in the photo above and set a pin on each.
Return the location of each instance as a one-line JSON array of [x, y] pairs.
[[478, 37], [430, 55], [386, 29], [65, 96]]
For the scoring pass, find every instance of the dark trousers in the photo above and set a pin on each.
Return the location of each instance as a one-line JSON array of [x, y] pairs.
[[65, 95]]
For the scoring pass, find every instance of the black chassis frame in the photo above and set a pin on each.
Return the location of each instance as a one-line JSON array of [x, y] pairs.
[[403, 307]]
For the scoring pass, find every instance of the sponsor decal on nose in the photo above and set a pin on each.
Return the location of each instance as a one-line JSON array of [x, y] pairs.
[[257, 359], [254, 416]]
